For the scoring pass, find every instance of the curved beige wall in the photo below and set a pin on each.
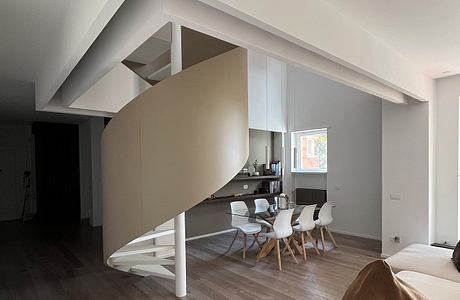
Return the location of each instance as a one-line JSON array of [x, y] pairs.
[[173, 146]]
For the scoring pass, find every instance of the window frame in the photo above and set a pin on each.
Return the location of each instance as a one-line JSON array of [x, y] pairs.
[[295, 155]]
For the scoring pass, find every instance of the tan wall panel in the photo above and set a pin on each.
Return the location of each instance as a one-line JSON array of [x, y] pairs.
[[173, 146]]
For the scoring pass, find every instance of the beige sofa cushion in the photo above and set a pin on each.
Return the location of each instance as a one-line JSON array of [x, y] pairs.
[[425, 259], [434, 288]]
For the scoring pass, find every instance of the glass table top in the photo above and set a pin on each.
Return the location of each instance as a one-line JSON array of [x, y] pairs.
[[267, 215]]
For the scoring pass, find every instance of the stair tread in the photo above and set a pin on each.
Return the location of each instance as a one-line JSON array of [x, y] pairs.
[[140, 259], [153, 270], [152, 235], [140, 248]]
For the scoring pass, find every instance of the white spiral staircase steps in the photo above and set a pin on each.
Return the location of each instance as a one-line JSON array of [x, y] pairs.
[[152, 235], [166, 151], [140, 248], [137, 256], [140, 259]]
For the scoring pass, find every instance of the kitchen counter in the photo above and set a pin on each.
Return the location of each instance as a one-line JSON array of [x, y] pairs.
[[262, 177], [268, 196]]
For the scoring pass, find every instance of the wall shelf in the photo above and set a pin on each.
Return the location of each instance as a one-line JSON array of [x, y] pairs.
[[267, 177], [237, 198]]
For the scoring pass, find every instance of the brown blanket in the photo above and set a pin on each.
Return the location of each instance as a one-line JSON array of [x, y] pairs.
[[377, 282]]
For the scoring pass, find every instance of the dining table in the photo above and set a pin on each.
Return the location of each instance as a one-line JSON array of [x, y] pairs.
[[269, 215]]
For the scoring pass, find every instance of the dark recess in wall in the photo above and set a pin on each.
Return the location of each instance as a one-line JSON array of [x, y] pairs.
[[57, 172]]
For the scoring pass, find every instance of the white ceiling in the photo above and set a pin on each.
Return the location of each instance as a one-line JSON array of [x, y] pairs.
[[427, 32], [38, 40], [27, 29]]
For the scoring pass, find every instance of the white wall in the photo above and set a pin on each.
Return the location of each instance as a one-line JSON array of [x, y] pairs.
[[405, 174], [17, 141], [90, 170], [354, 125], [447, 118]]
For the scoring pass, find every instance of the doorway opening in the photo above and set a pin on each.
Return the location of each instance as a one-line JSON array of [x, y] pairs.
[[57, 169]]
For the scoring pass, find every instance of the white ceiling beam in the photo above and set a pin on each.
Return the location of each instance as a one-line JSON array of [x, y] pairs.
[[113, 91], [133, 24], [82, 24], [55, 106], [318, 27], [216, 23]]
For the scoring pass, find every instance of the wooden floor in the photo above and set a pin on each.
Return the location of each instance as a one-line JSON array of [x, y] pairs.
[[66, 263]]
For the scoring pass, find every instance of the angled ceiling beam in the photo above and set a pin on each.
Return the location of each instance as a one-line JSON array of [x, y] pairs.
[[83, 22], [318, 27], [136, 21], [113, 91], [211, 21], [133, 23], [55, 106]]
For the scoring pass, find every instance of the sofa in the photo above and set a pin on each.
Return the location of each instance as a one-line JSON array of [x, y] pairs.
[[428, 269]]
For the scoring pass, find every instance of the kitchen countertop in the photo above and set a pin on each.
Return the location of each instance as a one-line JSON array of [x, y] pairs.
[[237, 198]]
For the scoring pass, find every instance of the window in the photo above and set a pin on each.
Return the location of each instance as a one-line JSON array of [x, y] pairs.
[[309, 151]]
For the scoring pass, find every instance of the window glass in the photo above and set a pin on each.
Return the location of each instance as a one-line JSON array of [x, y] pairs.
[[309, 151]]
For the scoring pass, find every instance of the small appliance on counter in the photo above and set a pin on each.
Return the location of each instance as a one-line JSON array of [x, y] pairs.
[[282, 202]]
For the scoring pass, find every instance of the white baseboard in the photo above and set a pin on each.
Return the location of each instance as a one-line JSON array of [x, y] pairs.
[[357, 234], [333, 230], [209, 234], [383, 255]]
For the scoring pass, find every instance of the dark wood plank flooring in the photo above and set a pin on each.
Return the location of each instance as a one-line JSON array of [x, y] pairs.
[[66, 263]]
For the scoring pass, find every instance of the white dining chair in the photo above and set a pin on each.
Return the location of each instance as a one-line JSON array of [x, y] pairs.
[[282, 230], [325, 219], [240, 222], [262, 205], [306, 224]]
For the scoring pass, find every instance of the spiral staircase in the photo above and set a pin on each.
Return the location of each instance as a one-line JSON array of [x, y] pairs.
[[167, 150]]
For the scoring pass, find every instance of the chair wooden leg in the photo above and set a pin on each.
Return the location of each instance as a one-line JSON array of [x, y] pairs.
[[233, 241], [256, 239], [315, 243], [266, 249], [295, 244], [332, 238], [317, 238], [290, 251], [278, 253], [304, 251], [245, 239], [322, 239], [285, 246]]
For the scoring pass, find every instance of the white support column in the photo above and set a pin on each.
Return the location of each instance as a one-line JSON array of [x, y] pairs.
[[180, 256], [179, 221]]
